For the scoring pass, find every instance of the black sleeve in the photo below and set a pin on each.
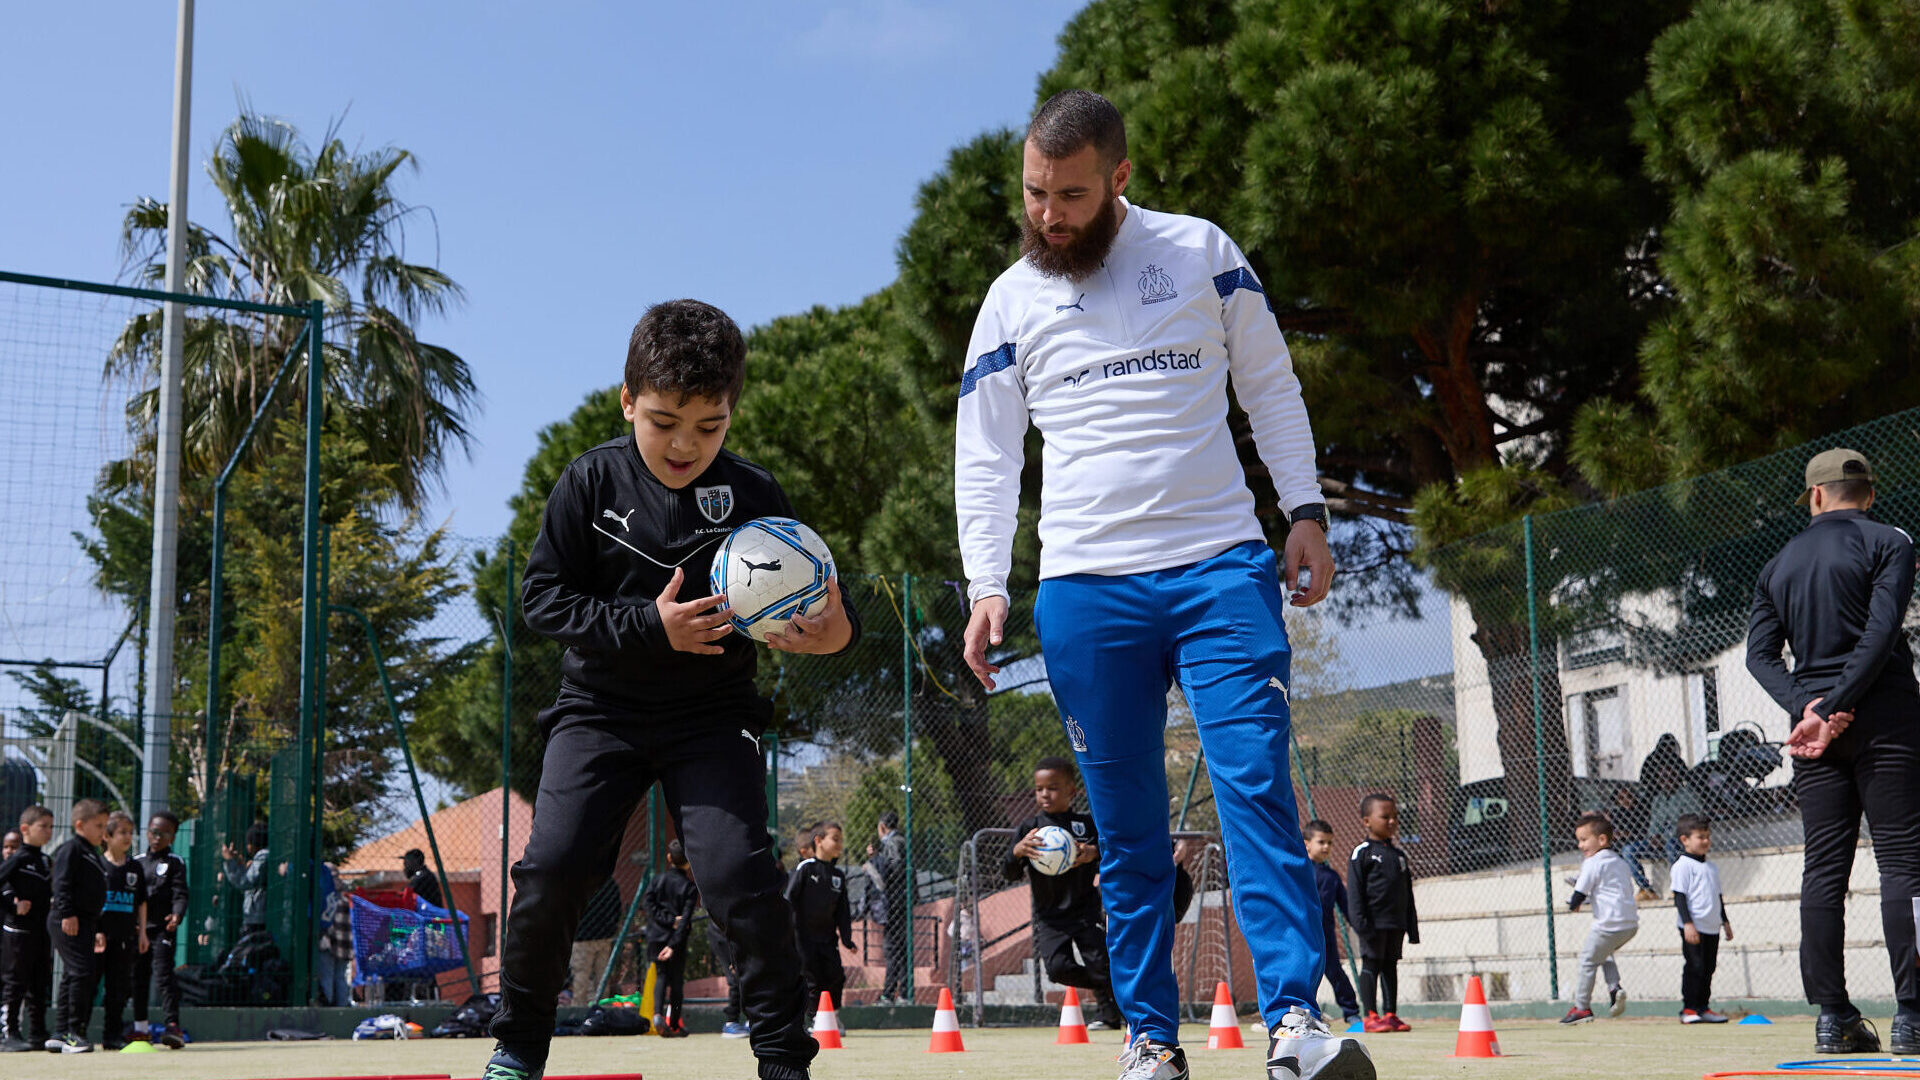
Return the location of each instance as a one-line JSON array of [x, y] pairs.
[[843, 918], [180, 890], [1892, 589], [1723, 912], [659, 912], [6, 878], [1359, 916], [1574, 901], [793, 885], [1766, 637], [846, 602], [1685, 909], [62, 879], [1413, 911], [551, 598], [1014, 868], [683, 920]]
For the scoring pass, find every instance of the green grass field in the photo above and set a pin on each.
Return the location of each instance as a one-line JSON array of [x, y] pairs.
[[1537, 1050]]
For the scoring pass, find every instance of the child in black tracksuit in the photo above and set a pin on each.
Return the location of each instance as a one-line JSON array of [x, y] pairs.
[[1066, 907], [1318, 836], [1380, 888], [122, 936], [79, 894], [671, 901], [166, 876], [818, 892], [26, 952], [656, 685]]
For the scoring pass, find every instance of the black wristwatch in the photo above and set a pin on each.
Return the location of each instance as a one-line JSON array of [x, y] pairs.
[[1314, 512]]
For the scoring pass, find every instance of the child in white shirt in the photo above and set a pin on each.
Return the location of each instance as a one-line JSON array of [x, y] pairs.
[[1702, 916], [1606, 880]]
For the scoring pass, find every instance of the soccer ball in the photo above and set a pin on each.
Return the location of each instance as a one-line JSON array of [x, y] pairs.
[[770, 570], [1055, 854]]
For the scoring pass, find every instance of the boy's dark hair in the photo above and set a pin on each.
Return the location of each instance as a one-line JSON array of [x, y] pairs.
[[32, 814], [803, 836], [256, 836], [822, 828], [1601, 824], [118, 818], [167, 816], [677, 854], [88, 808], [1316, 827], [687, 349], [1074, 119], [1692, 823], [1056, 763], [891, 820], [1368, 802]]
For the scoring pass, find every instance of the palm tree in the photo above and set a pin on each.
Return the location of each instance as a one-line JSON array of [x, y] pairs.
[[305, 225]]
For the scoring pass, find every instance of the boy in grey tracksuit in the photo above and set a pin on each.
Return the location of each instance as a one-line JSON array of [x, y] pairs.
[[1606, 880]]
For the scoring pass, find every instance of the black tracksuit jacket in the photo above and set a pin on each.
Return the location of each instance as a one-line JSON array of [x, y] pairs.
[[79, 882], [671, 900], [609, 542], [166, 890], [818, 892], [1380, 890], [1069, 899], [27, 876]]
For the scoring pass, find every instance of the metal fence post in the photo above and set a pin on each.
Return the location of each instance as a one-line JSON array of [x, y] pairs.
[[906, 785], [311, 615], [1540, 761], [507, 613]]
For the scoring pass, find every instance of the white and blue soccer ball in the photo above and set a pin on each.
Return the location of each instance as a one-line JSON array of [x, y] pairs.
[[1053, 854], [770, 570]]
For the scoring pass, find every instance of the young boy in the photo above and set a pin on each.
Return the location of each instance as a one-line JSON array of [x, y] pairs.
[[1702, 915], [26, 952], [670, 899], [166, 876], [1066, 907], [122, 935], [655, 686], [1333, 897], [818, 892], [73, 918], [1606, 880], [9, 844], [1380, 890]]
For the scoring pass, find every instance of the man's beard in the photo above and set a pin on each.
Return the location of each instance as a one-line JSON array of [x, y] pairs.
[[1081, 255]]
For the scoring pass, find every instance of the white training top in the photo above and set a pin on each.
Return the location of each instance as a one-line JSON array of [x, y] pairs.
[[1700, 880], [1608, 883], [1125, 374]]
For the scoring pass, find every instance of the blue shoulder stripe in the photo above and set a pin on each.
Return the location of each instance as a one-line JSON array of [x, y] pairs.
[[1239, 278], [999, 359]]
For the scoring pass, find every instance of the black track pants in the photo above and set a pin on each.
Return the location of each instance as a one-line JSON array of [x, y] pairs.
[[26, 976], [599, 764], [117, 967], [79, 978], [1874, 767], [155, 967], [1055, 945], [824, 971]]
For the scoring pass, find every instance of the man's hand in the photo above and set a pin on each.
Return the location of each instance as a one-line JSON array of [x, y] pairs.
[[70, 926], [686, 628], [1028, 844], [827, 632], [1812, 735], [1691, 933], [986, 626], [665, 954], [173, 922], [1307, 546]]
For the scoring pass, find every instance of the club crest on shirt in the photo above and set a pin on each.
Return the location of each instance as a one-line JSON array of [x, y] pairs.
[[1156, 285], [161, 869], [132, 879], [834, 880], [715, 502], [1079, 828]]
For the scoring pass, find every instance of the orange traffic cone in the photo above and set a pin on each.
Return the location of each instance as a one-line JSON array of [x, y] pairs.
[[946, 1027], [1073, 1026], [1476, 1024], [826, 1024], [1223, 1032]]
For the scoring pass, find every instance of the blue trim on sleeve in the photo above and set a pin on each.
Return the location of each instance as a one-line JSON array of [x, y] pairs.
[[999, 359], [1239, 278]]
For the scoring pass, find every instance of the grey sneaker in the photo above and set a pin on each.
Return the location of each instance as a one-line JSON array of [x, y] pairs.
[[506, 1064], [1301, 1047], [1149, 1060], [1617, 1002]]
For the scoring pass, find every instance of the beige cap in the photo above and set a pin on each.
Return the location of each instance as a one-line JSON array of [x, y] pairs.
[[1833, 466]]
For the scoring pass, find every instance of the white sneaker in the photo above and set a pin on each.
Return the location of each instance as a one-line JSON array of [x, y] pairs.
[[1301, 1047], [1145, 1059], [1617, 1002]]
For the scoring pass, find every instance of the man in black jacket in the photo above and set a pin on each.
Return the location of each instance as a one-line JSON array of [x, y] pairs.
[[1066, 907], [26, 952], [655, 686], [166, 910], [671, 901], [821, 913], [1837, 594], [889, 862], [73, 918]]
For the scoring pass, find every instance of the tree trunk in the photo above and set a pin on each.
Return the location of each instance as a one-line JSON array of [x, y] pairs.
[[1505, 646]]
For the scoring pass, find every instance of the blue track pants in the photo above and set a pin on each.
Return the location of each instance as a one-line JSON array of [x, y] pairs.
[[1112, 647]]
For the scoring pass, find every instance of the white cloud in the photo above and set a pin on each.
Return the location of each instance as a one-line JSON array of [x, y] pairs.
[[893, 32]]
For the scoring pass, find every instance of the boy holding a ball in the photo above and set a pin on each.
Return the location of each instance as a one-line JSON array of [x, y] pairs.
[[1066, 904], [655, 686]]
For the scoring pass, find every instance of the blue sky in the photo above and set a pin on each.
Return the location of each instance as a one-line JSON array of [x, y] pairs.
[[581, 160]]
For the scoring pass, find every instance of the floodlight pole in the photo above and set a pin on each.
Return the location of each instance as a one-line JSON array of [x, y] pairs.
[[166, 464]]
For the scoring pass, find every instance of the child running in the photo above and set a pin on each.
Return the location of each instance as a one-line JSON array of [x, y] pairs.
[[1606, 880]]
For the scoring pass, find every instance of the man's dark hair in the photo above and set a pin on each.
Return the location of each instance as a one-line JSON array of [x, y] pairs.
[[1848, 491], [687, 349], [256, 837], [1316, 827], [1601, 824], [891, 820], [33, 813], [1692, 823], [1374, 799], [677, 854], [88, 808], [167, 816], [1056, 763], [1074, 119]]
